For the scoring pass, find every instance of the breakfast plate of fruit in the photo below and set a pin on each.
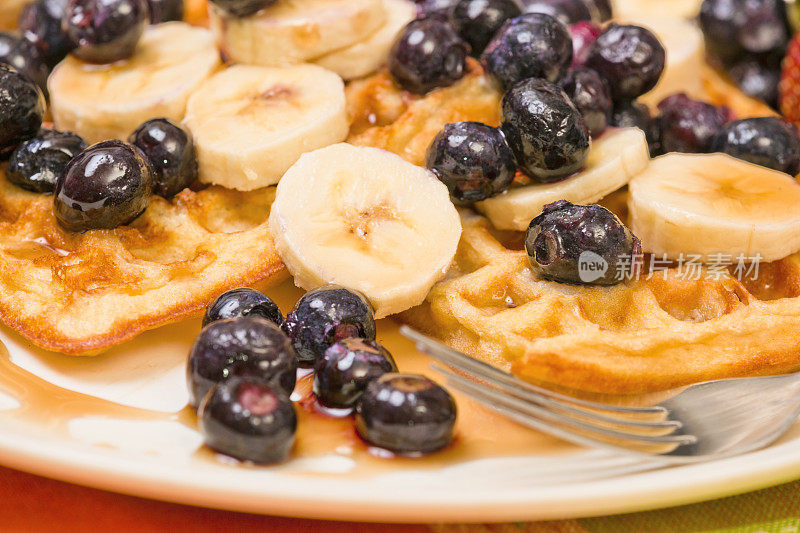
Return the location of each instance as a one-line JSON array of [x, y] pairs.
[[215, 217]]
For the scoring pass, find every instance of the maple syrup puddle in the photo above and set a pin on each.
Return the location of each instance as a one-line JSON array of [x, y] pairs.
[[480, 433]]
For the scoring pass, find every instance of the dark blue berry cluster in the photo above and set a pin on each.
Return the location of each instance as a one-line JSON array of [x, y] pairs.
[[243, 366]]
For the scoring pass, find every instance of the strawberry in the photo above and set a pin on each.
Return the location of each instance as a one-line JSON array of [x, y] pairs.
[[789, 88]]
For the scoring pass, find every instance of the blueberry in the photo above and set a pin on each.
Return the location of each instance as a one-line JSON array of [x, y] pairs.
[[245, 346], [473, 160], [406, 414], [440, 8], [758, 79], [165, 10], [545, 130], [346, 368], [105, 186], [733, 28], [22, 108], [637, 115], [40, 24], [36, 164], [170, 149], [477, 21], [249, 420], [584, 34], [428, 54], [567, 11], [242, 8], [630, 58], [529, 46], [688, 125], [565, 236], [105, 30], [23, 56], [243, 302], [590, 94], [767, 141], [326, 315]]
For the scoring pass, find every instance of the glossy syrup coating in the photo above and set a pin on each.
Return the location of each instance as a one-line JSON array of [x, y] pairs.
[[165, 10], [346, 368], [428, 54], [170, 149], [406, 414], [590, 94], [630, 58], [327, 315], [733, 28], [248, 419], [22, 108], [242, 8], [105, 186], [533, 45], [473, 160], [36, 164], [477, 21], [105, 31], [688, 125], [243, 302], [566, 235], [244, 346], [770, 142], [545, 130], [23, 56], [40, 24]]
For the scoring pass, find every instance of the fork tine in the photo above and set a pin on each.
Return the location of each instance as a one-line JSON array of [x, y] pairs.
[[455, 358], [538, 418], [567, 409]]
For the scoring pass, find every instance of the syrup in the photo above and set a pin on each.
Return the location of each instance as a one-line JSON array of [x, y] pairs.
[[480, 433]]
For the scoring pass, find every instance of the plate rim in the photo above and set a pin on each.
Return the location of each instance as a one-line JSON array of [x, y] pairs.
[[651, 490]]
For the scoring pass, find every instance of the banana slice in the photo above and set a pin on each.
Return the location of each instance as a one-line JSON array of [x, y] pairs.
[[634, 9], [368, 220], [370, 54], [616, 157], [103, 102], [250, 124], [295, 31], [709, 204], [686, 57]]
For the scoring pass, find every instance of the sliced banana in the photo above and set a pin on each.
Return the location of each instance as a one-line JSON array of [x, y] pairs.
[[709, 204], [295, 31], [616, 157], [686, 57], [110, 101], [368, 220], [633, 9], [369, 55], [250, 124]]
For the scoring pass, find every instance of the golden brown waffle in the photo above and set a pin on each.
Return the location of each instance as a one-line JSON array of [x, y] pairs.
[[639, 336], [9, 13], [81, 293], [636, 337]]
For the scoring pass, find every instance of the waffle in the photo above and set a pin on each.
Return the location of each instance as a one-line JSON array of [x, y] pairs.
[[81, 293], [637, 337]]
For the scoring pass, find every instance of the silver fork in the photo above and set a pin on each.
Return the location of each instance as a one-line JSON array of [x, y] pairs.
[[705, 421]]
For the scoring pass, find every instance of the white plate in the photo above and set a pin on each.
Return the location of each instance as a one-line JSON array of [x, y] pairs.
[[157, 459]]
